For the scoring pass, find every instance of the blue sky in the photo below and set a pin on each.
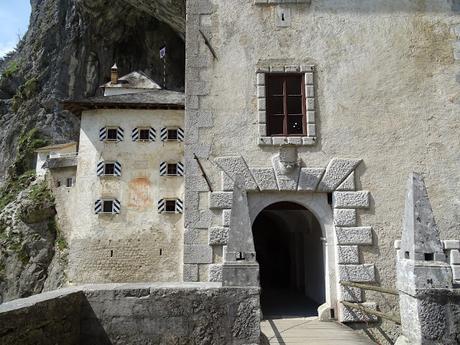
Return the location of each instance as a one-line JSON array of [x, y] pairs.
[[14, 19]]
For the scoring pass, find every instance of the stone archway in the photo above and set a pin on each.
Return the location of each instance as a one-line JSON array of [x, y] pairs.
[[289, 251], [329, 193]]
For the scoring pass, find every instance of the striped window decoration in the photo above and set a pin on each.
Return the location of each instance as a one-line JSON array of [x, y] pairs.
[[144, 134], [108, 168], [172, 169], [107, 206], [180, 169], [172, 134], [171, 206], [111, 134]]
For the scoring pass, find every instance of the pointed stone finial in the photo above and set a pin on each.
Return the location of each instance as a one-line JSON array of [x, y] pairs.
[[420, 238], [240, 243]]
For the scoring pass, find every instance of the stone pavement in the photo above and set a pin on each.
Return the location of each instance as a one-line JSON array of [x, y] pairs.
[[309, 331]]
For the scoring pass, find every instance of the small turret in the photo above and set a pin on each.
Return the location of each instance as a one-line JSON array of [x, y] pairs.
[[114, 74]]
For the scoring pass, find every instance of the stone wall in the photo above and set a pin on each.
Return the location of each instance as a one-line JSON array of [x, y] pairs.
[[134, 314], [384, 75], [48, 318]]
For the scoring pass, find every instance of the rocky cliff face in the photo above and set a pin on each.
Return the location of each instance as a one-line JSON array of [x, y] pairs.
[[67, 53]]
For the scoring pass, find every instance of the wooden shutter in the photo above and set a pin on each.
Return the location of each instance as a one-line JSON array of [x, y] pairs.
[[100, 168], [152, 134], [180, 134], [135, 134], [116, 206], [180, 169], [164, 134], [179, 206], [103, 134], [162, 206], [163, 168], [120, 134], [117, 168], [98, 206]]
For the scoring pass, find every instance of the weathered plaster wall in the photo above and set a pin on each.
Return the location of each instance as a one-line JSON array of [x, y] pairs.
[[139, 244], [386, 87], [134, 314]]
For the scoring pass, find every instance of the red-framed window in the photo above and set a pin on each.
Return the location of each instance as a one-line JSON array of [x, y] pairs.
[[286, 110]]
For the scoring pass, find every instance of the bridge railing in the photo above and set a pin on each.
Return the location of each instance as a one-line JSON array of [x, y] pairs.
[[387, 316]]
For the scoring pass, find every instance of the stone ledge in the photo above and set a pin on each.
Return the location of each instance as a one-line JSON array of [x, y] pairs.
[[280, 141]]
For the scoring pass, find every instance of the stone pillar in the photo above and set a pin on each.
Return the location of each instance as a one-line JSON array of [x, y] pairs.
[[424, 279], [240, 267]]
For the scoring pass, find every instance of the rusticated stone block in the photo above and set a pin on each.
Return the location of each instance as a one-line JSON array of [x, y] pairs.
[[356, 315], [336, 172], [234, 166], [309, 178], [344, 217], [218, 236], [215, 273], [350, 199], [355, 235], [351, 294], [357, 273], [349, 183], [265, 179], [220, 200], [348, 254]]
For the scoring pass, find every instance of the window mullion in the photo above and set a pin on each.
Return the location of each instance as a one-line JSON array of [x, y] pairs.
[[285, 122]]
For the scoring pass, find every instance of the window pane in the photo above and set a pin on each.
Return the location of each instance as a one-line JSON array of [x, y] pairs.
[[112, 134], [172, 134], [172, 169], [294, 104], [276, 105], [294, 85], [108, 206], [170, 205], [144, 134], [295, 125], [276, 124], [109, 169], [275, 85]]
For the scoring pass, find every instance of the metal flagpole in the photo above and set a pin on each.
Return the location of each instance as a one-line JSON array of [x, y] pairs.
[[163, 57]]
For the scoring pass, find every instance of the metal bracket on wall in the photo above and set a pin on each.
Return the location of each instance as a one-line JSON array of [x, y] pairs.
[[208, 44]]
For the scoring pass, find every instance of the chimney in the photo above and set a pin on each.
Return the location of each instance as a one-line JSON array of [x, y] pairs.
[[114, 74]]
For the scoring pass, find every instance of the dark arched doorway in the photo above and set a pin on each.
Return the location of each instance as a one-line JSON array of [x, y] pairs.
[[289, 251]]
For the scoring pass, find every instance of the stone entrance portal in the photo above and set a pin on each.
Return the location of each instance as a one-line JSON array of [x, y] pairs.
[[289, 250]]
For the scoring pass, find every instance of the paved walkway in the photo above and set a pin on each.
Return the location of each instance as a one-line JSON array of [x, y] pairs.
[[309, 331]]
